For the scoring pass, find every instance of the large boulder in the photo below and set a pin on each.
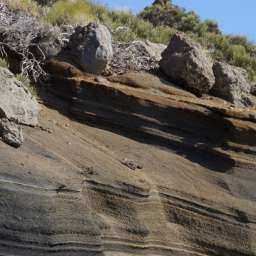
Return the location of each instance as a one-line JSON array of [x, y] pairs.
[[90, 47], [232, 84], [187, 63], [17, 106]]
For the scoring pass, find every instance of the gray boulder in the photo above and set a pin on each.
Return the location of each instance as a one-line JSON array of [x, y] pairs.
[[232, 84], [17, 106], [188, 64], [90, 47]]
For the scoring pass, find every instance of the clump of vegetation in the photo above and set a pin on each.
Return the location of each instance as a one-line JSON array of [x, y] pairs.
[[28, 6], [4, 63], [69, 12], [124, 25], [237, 51], [176, 17], [128, 27], [22, 78], [27, 83]]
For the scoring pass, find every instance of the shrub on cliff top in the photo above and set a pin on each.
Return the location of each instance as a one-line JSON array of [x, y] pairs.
[[69, 12], [4, 63], [29, 6], [124, 25]]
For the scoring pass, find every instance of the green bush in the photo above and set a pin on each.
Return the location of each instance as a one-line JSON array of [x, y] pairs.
[[28, 84], [4, 63], [128, 27], [29, 6], [68, 12]]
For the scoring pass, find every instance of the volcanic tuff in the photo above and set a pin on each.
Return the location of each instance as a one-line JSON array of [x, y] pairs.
[[128, 164], [68, 189]]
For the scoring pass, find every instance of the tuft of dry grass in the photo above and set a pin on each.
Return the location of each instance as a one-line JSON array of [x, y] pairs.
[[4, 63]]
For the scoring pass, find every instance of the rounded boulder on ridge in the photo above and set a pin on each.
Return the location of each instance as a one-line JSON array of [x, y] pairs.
[[91, 47]]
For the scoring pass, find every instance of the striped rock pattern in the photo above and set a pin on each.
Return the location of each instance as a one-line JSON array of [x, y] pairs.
[[67, 191]]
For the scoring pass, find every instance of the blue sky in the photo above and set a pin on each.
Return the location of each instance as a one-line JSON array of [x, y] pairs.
[[233, 16]]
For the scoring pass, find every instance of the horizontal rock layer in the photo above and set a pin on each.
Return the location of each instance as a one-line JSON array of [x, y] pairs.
[[66, 191]]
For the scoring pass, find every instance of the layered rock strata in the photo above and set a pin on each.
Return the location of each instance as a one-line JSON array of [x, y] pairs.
[[68, 189]]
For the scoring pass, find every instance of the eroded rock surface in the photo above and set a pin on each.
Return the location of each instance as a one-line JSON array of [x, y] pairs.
[[68, 191], [11, 133], [187, 63], [17, 106]]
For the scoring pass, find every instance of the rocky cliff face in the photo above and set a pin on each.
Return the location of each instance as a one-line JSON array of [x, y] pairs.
[[142, 168], [127, 164]]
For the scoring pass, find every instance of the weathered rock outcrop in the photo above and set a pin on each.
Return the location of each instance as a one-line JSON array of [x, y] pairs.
[[90, 48], [145, 172], [17, 106], [136, 56], [232, 84], [186, 62]]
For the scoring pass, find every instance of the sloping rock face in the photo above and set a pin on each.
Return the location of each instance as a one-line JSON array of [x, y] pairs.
[[17, 106], [232, 84], [16, 103], [69, 190], [186, 62], [91, 47]]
